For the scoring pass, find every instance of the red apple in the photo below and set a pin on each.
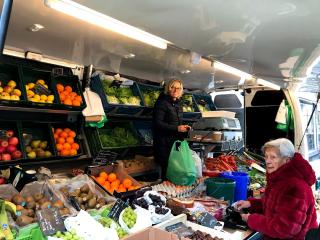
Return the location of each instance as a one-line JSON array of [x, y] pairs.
[[6, 157], [13, 141], [11, 148], [4, 143], [2, 180], [16, 154], [10, 133], [2, 149]]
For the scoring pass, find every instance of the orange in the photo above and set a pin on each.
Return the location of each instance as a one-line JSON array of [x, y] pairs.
[[112, 177], [106, 185], [76, 103], [63, 134], [65, 152], [72, 95], [60, 87], [127, 182], [67, 130], [61, 140], [72, 134], [56, 136], [68, 89], [79, 98], [114, 184], [131, 188], [62, 97], [121, 189], [59, 147], [69, 140], [75, 146], [73, 152], [100, 180], [58, 130], [67, 101], [67, 146], [104, 175]]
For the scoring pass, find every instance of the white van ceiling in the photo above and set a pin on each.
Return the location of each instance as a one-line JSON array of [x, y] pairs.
[[271, 39]]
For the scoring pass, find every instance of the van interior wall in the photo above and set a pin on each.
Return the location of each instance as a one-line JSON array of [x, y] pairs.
[[260, 119]]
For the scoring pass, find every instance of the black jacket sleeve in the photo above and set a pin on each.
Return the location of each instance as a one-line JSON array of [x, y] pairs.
[[159, 118]]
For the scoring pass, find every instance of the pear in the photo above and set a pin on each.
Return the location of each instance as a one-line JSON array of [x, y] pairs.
[[41, 153], [43, 144], [28, 149], [48, 154], [35, 143], [32, 154]]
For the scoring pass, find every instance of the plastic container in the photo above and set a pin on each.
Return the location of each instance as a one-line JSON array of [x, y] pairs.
[[216, 136], [10, 72], [221, 188], [97, 86], [30, 75], [149, 93], [73, 82], [242, 181]]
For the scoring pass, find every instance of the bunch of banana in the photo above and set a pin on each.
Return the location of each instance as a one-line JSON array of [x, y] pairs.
[[5, 231]]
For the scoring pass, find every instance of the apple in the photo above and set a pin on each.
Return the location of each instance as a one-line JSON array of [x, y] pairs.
[[9, 133], [2, 150], [6, 157], [11, 148], [13, 141], [4, 143], [16, 154], [2, 180], [7, 89]]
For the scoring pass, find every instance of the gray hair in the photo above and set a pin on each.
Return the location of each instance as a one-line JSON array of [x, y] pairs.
[[284, 146]]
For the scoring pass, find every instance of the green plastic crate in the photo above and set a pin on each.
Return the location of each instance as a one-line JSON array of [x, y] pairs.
[[30, 232]]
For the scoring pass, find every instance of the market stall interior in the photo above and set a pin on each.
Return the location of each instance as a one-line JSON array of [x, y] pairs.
[[76, 106]]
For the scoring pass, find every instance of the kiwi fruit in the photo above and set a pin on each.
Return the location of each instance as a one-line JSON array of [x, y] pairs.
[[45, 205], [38, 196], [31, 204], [24, 220], [29, 199], [85, 188], [19, 200], [92, 203], [64, 211]]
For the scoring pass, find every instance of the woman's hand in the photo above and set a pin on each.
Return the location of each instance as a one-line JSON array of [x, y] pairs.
[[242, 204], [245, 217], [183, 128]]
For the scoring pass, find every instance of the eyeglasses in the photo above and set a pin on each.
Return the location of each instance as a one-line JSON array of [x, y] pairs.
[[175, 88]]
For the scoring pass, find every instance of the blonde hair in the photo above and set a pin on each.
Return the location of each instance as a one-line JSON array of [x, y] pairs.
[[170, 84]]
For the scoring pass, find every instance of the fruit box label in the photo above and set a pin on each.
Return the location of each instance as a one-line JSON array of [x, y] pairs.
[[50, 221], [41, 90], [117, 208]]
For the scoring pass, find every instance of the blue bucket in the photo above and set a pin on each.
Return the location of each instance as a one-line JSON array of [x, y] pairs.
[[242, 180]]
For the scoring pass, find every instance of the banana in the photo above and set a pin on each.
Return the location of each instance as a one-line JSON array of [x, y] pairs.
[[2, 236], [4, 225], [10, 207]]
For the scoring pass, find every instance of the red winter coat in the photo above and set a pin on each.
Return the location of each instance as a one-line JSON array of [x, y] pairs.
[[287, 210]]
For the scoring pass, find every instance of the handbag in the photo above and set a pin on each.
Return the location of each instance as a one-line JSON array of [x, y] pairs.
[[181, 167]]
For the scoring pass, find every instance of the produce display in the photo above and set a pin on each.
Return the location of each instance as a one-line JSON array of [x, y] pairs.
[[204, 108], [117, 137], [221, 163], [38, 148], [85, 197], [65, 142], [9, 145], [107, 223], [39, 92], [112, 183], [9, 91], [129, 217], [150, 97], [6, 208], [198, 235], [68, 235], [187, 103], [68, 96], [120, 94]]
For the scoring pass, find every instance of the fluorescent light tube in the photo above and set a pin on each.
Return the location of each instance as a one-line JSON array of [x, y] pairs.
[[231, 70], [268, 84], [91, 16]]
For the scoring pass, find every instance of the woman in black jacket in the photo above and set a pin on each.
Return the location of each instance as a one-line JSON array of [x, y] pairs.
[[167, 123]]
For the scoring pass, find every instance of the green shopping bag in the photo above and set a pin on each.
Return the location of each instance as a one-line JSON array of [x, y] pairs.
[[181, 167]]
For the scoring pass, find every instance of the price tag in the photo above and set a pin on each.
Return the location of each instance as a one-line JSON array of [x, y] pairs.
[[207, 220], [117, 208], [41, 90], [50, 221]]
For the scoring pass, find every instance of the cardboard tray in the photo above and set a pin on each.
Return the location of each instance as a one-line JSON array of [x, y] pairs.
[[151, 233]]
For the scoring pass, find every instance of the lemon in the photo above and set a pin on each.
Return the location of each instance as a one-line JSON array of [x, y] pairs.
[[30, 93], [48, 101], [50, 98], [27, 87], [37, 97], [16, 92], [42, 101], [41, 81], [43, 97], [46, 86], [31, 85]]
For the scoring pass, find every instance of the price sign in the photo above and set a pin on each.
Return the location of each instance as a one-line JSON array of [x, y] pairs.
[[41, 90], [117, 208], [50, 221], [207, 220]]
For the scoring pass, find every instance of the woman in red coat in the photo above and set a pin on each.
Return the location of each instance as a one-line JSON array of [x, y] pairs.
[[287, 210]]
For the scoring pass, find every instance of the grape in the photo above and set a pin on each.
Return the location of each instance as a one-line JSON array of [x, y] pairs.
[[105, 221], [156, 200], [69, 235], [129, 217], [121, 232], [141, 202], [161, 210]]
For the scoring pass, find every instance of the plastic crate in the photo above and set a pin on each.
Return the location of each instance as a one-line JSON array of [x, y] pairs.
[[30, 232], [144, 130], [10, 72], [12, 125], [204, 100], [97, 86], [38, 131], [30, 75], [192, 113], [77, 139], [149, 93], [73, 82]]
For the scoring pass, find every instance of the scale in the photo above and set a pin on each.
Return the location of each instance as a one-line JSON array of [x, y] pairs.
[[217, 123]]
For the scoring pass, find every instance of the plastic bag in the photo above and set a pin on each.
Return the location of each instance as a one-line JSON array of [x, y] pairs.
[[7, 191], [158, 218], [198, 163], [181, 167], [149, 200], [143, 220]]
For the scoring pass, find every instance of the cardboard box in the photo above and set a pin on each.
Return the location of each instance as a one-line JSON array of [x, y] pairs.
[[152, 233], [138, 164]]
